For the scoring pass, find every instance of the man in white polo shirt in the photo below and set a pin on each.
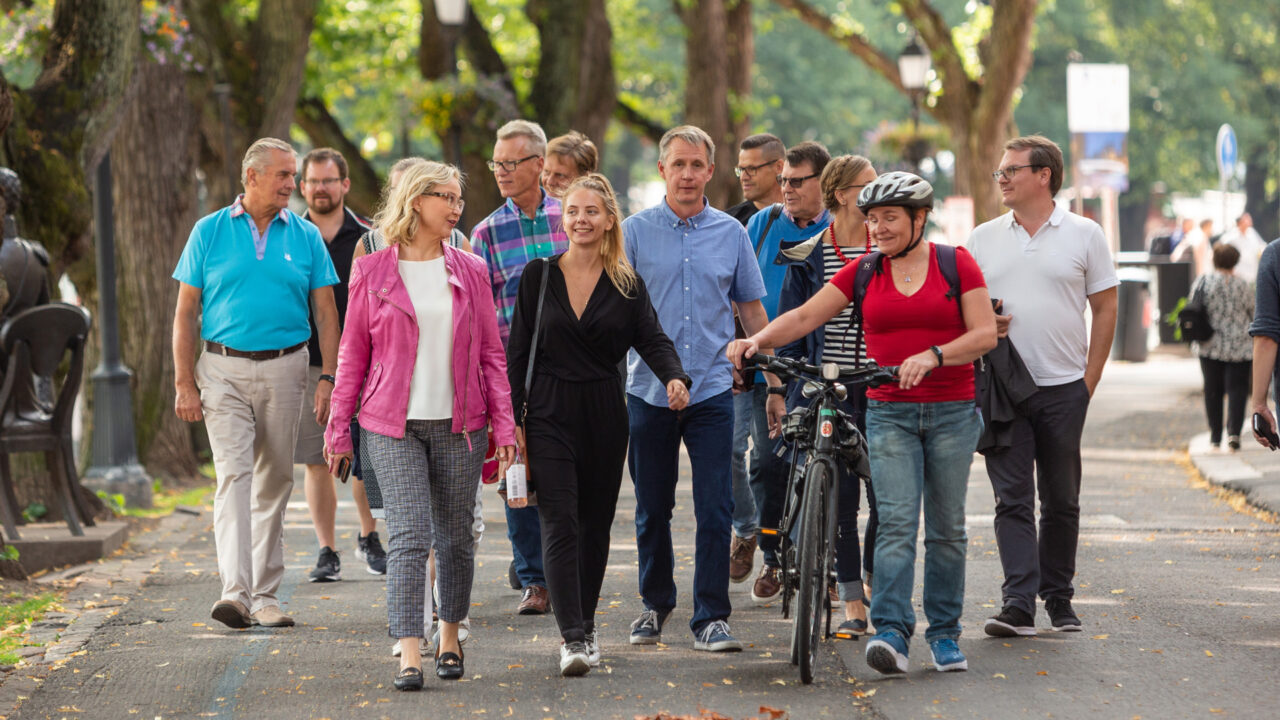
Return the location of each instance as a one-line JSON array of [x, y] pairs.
[[1044, 264]]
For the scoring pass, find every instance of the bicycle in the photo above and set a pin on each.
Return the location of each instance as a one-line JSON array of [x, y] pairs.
[[821, 437]]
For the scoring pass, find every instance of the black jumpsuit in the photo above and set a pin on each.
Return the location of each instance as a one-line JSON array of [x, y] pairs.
[[576, 427]]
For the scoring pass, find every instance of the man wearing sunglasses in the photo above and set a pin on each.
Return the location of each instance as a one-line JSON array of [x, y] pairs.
[[525, 227], [1046, 265], [800, 216]]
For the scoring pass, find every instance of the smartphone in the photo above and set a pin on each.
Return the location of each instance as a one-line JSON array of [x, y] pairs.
[[1263, 428], [344, 469]]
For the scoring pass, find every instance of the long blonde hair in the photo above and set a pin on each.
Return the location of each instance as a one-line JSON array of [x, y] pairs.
[[396, 220], [612, 253]]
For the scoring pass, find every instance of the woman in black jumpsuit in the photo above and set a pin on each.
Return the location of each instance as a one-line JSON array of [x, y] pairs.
[[575, 431]]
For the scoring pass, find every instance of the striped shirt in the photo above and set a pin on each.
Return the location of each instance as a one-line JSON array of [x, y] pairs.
[[507, 240], [840, 336]]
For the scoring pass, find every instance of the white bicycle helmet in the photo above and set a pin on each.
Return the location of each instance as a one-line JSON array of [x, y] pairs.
[[896, 189]]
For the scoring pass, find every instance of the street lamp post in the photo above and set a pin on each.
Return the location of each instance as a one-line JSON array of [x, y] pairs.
[[913, 70], [452, 15], [115, 467]]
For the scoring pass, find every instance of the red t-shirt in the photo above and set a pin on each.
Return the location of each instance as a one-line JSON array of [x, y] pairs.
[[897, 326]]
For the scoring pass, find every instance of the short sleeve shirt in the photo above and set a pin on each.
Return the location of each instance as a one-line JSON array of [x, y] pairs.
[[695, 270], [250, 299], [1045, 282], [897, 326]]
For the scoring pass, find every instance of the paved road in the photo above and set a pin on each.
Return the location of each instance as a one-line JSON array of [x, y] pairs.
[[1177, 592]]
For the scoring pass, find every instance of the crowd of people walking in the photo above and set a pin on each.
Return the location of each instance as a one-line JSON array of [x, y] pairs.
[[560, 339]]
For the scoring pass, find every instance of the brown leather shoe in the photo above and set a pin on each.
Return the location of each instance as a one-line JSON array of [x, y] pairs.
[[232, 614], [768, 584], [534, 601], [742, 558]]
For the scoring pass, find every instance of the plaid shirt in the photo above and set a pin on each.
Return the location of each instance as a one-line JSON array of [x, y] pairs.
[[507, 240]]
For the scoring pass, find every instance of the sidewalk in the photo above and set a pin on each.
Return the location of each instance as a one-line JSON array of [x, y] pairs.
[[1254, 471]]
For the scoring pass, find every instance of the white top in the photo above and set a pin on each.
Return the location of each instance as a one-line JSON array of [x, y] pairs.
[[1044, 282], [1250, 244], [431, 387]]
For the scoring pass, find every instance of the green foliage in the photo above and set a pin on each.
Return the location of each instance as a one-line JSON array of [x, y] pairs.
[[34, 511], [9, 552], [24, 35], [1171, 319], [16, 619], [114, 501]]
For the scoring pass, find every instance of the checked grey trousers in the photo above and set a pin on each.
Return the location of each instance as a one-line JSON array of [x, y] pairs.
[[428, 480]]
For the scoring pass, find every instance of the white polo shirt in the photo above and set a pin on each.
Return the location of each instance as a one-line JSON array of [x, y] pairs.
[[1045, 282]]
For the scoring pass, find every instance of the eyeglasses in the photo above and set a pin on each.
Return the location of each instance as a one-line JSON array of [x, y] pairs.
[[1012, 170], [795, 182], [852, 187], [453, 200], [326, 183], [751, 170], [508, 165]]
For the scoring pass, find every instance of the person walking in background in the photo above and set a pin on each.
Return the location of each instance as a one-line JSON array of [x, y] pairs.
[[1226, 357], [525, 227], [324, 188], [1044, 265], [574, 434], [1250, 245], [813, 264], [569, 157], [760, 159], [1196, 244], [245, 277], [420, 335]]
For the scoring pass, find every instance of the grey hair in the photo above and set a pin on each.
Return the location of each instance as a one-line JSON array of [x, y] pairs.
[[256, 156], [690, 134], [526, 129]]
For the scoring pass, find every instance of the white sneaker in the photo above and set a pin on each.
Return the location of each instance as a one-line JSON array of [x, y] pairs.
[[424, 649], [593, 649], [464, 632], [574, 660]]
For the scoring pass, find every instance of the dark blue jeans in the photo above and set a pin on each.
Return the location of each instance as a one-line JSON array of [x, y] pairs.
[[653, 457], [524, 530]]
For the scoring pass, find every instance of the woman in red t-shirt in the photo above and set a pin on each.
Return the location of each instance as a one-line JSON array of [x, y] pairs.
[[923, 431]]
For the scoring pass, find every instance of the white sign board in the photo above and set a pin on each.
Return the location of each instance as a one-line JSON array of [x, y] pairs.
[[1097, 98]]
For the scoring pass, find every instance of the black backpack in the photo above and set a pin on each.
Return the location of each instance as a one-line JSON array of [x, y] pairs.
[[1193, 318]]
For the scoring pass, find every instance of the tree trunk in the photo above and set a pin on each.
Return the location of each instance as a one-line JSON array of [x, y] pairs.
[[707, 89], [1264, 208], [154, 178], [323, 129], [741, 56], [574, 88], [281, 37]]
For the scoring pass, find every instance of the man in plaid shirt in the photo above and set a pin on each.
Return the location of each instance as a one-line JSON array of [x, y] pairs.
[[527, 226]]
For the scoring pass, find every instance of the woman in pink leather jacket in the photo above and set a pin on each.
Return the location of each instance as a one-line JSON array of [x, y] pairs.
[[421, 359]]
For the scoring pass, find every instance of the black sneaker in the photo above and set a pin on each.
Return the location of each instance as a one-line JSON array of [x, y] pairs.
[[1011, 622], [369, 549], [328, 567], [1061, 615]]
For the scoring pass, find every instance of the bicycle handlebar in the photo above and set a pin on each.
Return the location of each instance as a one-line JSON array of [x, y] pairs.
[[869, 374]]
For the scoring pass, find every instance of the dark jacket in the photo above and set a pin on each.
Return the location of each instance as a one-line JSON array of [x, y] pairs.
[[1005, 383]]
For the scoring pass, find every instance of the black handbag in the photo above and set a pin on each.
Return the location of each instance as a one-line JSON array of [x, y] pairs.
[[1193, 319]]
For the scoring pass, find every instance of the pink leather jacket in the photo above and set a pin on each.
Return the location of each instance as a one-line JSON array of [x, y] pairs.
[[380, 343]]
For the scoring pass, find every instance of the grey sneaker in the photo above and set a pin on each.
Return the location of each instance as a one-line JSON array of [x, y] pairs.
[[715, 637], [593, 648], [574, 660]]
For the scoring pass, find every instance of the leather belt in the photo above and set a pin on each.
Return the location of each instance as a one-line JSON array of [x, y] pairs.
[[221, 349]]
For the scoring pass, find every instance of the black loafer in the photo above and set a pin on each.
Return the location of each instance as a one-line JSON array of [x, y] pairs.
[[409, 679], [449, 666]]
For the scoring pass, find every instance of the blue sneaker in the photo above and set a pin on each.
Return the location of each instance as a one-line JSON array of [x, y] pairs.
[[887, 653], [947, 656], [647, 629], [715, 637]]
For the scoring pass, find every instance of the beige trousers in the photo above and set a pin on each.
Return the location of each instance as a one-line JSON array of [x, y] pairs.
[[251, 412]]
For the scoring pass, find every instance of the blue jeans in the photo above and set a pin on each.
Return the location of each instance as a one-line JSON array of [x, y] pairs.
[[744, 505], [920, 452], [653, 457], [524, 530]]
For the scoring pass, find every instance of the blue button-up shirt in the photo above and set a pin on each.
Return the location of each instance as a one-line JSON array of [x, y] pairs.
[[694, 270]]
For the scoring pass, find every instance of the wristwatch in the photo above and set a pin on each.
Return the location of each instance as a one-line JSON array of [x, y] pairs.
[[778, 390], [937, 351], [332, 380]]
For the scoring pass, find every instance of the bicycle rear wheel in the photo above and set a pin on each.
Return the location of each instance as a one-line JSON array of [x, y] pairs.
[[811, 598]]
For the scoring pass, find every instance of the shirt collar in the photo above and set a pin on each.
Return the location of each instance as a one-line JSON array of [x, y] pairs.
[[694, 222], [237, 209], [819, 221], [1055, 218], [542, 207]]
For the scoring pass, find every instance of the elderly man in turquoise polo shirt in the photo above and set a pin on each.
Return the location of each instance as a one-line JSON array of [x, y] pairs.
[[245, 277]]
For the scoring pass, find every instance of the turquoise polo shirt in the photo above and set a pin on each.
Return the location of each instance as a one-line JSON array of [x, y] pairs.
[[254, 290]]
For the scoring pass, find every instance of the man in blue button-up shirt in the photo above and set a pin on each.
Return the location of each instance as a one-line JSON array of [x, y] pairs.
[[697, 264]]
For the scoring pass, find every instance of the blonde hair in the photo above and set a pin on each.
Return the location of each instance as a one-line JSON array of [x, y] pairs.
[[259, 153], [840, 174], [619, 270], [397, 221]]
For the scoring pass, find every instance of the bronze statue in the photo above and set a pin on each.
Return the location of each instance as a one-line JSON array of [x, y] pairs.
[[24, 264]]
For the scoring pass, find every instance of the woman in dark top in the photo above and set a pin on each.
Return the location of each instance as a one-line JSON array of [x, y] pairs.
[[574, 432]]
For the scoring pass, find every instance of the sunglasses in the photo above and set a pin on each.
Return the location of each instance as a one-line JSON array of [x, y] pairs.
[[795, 182]]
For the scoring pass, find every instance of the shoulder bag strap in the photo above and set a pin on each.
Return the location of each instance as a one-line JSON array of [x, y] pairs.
[[533, 345], [774, 213]]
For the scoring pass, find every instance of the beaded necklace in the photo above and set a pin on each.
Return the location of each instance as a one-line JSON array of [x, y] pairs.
[[836, 247]]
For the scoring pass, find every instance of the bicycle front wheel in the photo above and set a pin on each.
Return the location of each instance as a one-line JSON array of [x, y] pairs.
[[811, 597]]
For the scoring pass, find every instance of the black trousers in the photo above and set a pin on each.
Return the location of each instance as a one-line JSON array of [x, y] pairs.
[[577, 443], [1044, 457], [1232, 380]]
